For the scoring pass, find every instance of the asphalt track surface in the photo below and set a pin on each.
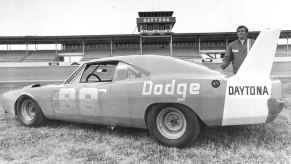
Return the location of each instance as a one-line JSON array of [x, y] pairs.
[[60, 73]]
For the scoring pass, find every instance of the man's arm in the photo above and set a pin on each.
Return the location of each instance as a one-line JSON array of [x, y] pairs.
[[227, 58]]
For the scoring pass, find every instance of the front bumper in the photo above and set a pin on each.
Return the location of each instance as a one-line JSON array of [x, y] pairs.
[[275, 106]]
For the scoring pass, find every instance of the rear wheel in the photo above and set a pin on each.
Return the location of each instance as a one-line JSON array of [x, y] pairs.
[[173, 125], [29, 112]]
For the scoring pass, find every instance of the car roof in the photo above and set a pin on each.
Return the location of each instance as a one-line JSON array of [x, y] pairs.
[[158, 65]]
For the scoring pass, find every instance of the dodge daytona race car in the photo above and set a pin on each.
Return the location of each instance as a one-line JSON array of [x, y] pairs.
[[168, 96]]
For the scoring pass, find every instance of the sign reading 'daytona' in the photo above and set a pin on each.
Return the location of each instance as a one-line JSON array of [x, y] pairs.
[[248, 90], [156, 20]]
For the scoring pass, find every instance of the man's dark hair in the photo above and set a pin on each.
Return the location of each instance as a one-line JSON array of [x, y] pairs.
[[239, 27]]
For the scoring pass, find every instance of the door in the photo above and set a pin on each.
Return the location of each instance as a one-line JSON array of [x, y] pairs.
[[79, 101], [86, 95]]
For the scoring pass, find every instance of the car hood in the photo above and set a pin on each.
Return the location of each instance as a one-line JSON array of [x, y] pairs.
[[39, 85]]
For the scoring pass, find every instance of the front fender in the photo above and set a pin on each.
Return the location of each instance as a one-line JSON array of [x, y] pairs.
[[9, 100]]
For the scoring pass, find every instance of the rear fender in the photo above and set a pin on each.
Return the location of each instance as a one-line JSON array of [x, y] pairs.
[[157, 106]]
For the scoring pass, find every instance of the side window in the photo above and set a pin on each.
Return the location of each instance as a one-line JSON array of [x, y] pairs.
[[98, 72], [126, 72]]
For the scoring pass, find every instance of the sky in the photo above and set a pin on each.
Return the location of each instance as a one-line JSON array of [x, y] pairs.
[[103, 17]]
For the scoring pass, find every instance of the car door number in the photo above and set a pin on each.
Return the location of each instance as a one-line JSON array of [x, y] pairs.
[[67, 100], [86, 100]]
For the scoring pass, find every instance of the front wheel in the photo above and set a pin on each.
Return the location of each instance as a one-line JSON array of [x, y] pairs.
[[29, 112], [173, 125]]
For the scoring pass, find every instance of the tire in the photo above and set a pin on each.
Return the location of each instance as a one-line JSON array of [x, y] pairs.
[[29, 112], [173, 125]]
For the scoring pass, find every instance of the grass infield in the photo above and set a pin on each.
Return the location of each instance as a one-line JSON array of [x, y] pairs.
[[66, 142]]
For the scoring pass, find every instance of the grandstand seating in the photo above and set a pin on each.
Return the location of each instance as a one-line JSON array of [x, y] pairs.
[[95, 54], [212, 47], [282, 51], [79, 50], [12, 55], [179, 51], [186, 53], [126, 51], [164, 51], [41, 56]]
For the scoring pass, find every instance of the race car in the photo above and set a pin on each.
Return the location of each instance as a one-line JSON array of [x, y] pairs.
[[168, 96]]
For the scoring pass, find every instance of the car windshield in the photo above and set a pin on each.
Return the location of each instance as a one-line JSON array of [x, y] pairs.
[[75, 78]]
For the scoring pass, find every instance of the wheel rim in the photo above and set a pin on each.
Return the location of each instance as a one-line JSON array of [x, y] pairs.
[[171, 123], [28, 110]]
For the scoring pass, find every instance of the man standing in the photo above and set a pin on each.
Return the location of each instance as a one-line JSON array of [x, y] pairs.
[[237, 50]]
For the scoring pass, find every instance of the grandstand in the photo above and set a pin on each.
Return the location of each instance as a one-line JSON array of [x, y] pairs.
[[183, 51], [12, 56], [40, 56], [164, 51], [122, 51], [179, 52], [155, 36], [95, 53], [282, 51]]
